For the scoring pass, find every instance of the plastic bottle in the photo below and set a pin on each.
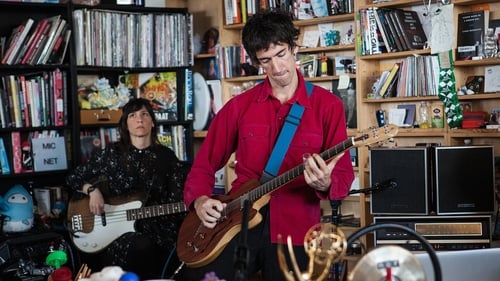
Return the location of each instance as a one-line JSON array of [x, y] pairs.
[[425, 118]]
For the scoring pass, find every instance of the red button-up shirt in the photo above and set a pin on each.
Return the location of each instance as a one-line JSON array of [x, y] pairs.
[[249, 125]]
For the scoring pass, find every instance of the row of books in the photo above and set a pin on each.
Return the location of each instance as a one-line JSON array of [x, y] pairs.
[[37, 42], [172, 136], [34, 100], [116, 39], [33, 151], [411, 77], [230, 60], [238, 11], [385, 30], [94, 139]]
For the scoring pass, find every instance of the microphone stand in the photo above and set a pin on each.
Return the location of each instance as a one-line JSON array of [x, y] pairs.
[[242, 255], [336, 215]]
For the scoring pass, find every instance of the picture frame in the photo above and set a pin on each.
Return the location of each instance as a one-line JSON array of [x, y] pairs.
[[309, 65]]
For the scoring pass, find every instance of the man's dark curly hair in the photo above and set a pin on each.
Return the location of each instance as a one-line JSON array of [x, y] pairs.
[[266, 28]]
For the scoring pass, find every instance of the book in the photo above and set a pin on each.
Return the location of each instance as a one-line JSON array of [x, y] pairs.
[[305, 10], [397, 28], [409, 114], [385, 31], [16, 152], [320, 8], [24, 36], [392, 75], [20, 35], [39, 30], [89, 143], [393, 32], [165, 137], [34, 51], [60, 25], [412, 31], [46, 40], [3, 117], [4, 160], [160, 88], [471, 27], [56, 55], [188, 96], [309, 65], [58, 107], [215, 90], [375, 43], [344, 65], [16, 105]]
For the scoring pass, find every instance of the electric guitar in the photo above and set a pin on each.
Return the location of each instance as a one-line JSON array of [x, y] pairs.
[[198, 245], [91, 233]]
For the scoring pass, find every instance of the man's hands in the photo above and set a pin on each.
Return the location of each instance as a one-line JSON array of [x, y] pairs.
[[208, 210], [317, 172]]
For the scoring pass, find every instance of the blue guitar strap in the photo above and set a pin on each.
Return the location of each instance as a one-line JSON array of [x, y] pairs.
[[292, 121]]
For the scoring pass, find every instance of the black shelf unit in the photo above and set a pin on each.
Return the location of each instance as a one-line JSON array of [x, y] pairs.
[[14, 14]]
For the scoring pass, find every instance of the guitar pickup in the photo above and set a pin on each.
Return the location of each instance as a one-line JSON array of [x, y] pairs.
[[103, 219]]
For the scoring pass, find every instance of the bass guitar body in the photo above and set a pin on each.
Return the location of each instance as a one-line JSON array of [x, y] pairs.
[[93, 233]]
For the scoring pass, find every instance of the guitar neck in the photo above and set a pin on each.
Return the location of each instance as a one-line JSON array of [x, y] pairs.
[[286, 177], [156, 211], [291, 174]]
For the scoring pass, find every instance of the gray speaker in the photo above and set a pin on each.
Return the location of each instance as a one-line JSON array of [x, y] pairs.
[[409, 168]]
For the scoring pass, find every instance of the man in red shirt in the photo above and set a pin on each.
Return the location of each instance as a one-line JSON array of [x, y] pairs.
[[249, 125]]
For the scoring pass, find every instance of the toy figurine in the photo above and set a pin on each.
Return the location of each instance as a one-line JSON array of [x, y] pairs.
[[17, 208]]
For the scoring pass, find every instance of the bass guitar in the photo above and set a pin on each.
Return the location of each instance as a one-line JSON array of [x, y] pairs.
[[198, 245], [91, 233]]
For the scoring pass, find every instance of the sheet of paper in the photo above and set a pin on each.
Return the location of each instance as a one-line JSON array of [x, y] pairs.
[[491, 81], [343, 82], [311, 38], [443, 30], [397, 116]]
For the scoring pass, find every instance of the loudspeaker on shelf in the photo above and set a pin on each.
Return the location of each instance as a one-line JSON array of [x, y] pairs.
[[465, 179], [409, 167]]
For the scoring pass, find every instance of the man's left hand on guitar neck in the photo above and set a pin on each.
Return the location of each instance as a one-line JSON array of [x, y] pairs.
[[317, 173]]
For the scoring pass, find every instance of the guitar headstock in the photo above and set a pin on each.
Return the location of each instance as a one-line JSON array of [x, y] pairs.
[[373, 135]]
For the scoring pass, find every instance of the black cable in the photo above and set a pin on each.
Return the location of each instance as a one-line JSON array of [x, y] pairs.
[[427, 246]]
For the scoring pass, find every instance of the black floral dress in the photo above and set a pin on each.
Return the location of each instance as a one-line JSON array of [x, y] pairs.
[[155, 173]]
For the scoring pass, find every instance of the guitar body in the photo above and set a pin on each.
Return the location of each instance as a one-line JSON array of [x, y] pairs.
[[204, 244], [92, 233]]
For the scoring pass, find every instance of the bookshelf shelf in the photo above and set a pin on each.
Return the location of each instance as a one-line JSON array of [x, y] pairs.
[[347, 47], [395, 55]]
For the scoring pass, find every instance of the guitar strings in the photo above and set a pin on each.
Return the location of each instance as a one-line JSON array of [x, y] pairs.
[[112, 217]]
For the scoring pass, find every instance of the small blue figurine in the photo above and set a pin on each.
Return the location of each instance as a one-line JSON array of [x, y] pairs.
[[17, 208]]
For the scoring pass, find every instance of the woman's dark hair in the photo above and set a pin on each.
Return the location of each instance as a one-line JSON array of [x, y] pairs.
[[268, 27], [132, 106]]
